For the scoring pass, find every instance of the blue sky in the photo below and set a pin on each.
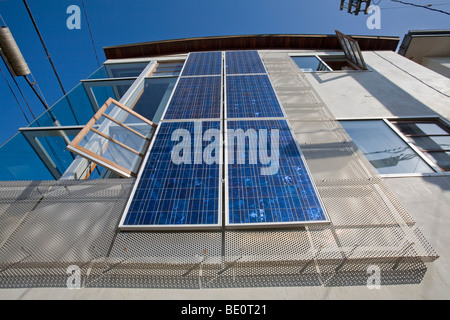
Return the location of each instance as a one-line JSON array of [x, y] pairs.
[[115, 22]]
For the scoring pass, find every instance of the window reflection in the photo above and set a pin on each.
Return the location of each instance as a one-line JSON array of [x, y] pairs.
[[387, 152], [154, 98]]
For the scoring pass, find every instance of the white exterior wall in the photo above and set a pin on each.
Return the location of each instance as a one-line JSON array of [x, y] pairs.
[[394, 87]]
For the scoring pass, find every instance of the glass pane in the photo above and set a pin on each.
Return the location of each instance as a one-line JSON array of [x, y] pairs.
[[99, 74], [125, 70], [431, 128], [432, 143], [52, 147], [18, 161], [387, 152], [357, 57], [409, 128], [112, 151], [126, 137], [307, 63], [73, 109], [442, 159], [111, 89], [154, 99]]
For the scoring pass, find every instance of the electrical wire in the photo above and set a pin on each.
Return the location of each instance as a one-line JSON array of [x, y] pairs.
[[15, 97], [90, 32], [43, 45], [421, 6]]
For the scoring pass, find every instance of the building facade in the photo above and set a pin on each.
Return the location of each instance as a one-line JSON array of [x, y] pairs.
[[346, 177]]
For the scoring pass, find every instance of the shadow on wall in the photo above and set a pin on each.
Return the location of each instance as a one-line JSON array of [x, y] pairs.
[[395, 99]]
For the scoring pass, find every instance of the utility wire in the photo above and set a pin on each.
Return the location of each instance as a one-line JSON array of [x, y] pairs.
[[90, 32], [421, 6], [15, 82], [23, 97], [43, 44], [15, 97]]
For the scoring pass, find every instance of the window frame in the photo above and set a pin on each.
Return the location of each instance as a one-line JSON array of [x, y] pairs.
[[320, 56], [421, 151], [422, 155]]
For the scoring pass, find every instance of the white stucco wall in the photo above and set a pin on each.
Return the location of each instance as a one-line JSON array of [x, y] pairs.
[[394, 87]]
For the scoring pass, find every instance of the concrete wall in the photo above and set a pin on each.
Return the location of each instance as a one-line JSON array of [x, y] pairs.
[[394, 87]]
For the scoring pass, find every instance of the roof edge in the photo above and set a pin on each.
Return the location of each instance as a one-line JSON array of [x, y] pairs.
[[245, 42]]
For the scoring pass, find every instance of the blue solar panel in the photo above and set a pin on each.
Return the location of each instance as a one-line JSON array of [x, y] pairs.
[[251, 96], [287, 195], [196, 98], [176, 194], [203, 63], [243, 62]]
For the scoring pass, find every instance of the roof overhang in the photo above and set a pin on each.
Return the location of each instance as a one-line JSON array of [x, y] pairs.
[[417, 45], [246, 42]]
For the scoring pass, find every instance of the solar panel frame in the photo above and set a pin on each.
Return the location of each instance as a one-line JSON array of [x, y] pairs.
[[243, 69], [156, 227], [265, 225], [196, 73]]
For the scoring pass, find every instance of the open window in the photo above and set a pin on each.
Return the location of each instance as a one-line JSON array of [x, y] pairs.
[[351, 50], [116, 138]]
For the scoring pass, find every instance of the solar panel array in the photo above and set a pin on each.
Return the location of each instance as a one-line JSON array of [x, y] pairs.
[[196, 98], [203, 63], [189, 194], [176, 194], [251, 96], [287, 196], [243, 62]]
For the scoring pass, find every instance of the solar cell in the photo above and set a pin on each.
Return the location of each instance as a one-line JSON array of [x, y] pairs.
[[203, 63], [184, 194], [251, 96], [286, 195], [196, 98], [243, 62]]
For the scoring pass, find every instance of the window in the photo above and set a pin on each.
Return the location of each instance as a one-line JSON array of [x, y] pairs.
[[338, 63], [432, 137], [324, 63], [385, 150], [351, 50], [403, 146], [311, 64], [115, 138]]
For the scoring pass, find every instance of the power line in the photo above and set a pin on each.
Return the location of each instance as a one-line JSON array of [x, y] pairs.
[[90, 32], [23, 97], [43, 44], [421, 6], [15, 97]]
